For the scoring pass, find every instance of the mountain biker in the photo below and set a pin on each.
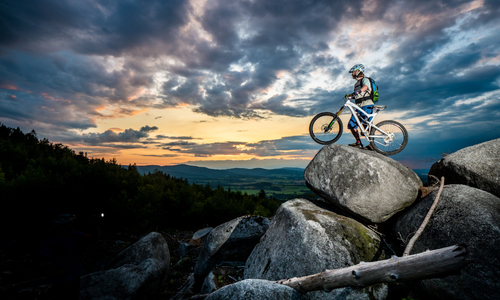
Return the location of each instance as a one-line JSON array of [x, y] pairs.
[[362, 98]]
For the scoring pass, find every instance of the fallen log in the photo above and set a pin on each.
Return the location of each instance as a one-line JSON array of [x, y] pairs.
[[428, 264]]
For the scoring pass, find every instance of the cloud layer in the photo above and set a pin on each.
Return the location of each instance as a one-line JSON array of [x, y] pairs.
[[65, 65]]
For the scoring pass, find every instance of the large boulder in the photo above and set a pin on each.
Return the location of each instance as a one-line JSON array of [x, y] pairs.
[[304, 238], [231, 241], [136, 272], [365, 184], [152, 245], [252, 289], [477, 166], [126, 282], [463, 215]]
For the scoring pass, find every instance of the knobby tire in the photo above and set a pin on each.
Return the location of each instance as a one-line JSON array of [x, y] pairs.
[[318, 125], [388, 147]]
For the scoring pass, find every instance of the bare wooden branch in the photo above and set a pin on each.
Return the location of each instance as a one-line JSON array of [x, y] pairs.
[[424, 223], [429, 264]]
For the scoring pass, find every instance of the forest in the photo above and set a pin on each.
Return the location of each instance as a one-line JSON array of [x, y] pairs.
[[40, 180]]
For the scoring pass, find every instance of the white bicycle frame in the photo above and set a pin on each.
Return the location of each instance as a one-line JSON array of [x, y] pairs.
[[369, 124]]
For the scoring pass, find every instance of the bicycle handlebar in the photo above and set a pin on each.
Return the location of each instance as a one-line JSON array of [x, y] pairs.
[[350, 97]]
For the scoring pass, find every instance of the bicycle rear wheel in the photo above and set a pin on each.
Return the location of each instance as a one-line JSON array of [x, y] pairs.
[[391, 142], [323, 131]]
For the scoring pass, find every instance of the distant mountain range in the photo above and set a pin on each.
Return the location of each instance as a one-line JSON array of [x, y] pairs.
[[202, 174]]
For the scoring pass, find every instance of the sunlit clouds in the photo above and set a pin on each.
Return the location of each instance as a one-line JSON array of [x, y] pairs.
[[214, 83]]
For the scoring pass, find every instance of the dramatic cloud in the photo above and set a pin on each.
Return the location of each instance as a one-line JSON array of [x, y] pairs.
[[67, 65], [109, 136], [295, 146]]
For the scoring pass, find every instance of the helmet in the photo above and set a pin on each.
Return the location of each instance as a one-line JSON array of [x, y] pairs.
[[63, 219], [356, 70]]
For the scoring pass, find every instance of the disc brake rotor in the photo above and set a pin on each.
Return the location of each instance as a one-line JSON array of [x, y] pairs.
[[325, 128], [389, 138]]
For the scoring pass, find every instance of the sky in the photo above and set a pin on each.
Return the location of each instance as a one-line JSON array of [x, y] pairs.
[[224, 84]]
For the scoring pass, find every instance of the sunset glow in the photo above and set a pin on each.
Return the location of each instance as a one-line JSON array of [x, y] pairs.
[[227, 84]]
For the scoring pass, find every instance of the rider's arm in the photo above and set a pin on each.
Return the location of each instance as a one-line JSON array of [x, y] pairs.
[[364, 87]]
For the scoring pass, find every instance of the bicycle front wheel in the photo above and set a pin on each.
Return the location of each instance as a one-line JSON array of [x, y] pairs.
[[324, 130], [390, 138]]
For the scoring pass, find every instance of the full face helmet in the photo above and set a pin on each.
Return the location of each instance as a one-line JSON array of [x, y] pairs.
[[356, 70]]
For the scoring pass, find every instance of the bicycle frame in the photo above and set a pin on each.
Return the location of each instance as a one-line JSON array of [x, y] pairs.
[[369, 124], [388, 137]]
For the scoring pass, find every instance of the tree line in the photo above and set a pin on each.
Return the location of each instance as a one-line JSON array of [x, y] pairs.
[[40, 179]]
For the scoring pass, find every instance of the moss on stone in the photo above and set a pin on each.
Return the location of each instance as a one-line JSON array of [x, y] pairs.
[[350, 230], [366, 245], [310, 215]]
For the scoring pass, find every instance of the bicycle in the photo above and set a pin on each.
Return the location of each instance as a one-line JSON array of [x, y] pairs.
[[387, 137]]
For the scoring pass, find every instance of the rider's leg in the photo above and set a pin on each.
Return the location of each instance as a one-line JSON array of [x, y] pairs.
[[369, 110], [358, 143], [352, 125]]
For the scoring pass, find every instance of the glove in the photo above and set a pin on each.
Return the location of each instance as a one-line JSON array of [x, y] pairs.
[[357, 92]]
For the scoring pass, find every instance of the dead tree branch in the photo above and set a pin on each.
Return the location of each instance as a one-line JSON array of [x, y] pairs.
[[424, 223], [429, 264]]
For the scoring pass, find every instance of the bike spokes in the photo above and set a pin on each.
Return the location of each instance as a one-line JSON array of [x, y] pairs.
[[325, 128], [390, 137]]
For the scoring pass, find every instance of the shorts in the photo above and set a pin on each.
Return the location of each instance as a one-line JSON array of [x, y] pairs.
[[352, 122]]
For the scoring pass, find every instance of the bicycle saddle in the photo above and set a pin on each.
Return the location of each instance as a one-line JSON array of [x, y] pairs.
[[380, 107]]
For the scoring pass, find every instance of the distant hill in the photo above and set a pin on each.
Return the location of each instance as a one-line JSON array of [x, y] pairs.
[[203, 175]]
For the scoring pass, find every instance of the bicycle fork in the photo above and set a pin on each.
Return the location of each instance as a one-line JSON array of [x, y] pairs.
[[329, 127]]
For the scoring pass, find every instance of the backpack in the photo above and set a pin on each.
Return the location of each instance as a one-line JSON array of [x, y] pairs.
[[374, 92]]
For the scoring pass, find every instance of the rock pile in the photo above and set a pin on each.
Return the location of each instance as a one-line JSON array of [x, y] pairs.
[[358, 188]]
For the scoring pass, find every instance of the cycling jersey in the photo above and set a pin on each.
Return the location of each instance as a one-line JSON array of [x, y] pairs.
[[364, 97]]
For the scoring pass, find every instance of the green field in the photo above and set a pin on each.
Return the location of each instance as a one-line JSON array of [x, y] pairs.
[[283, 190], [282, 184]]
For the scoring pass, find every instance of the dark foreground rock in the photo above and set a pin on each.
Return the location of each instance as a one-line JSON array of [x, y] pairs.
[[135, 273], [368, 185], [304, 239], [152, 245], [477, 166], [126, 282], [252, 289], [463, 215], [231, 241]]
